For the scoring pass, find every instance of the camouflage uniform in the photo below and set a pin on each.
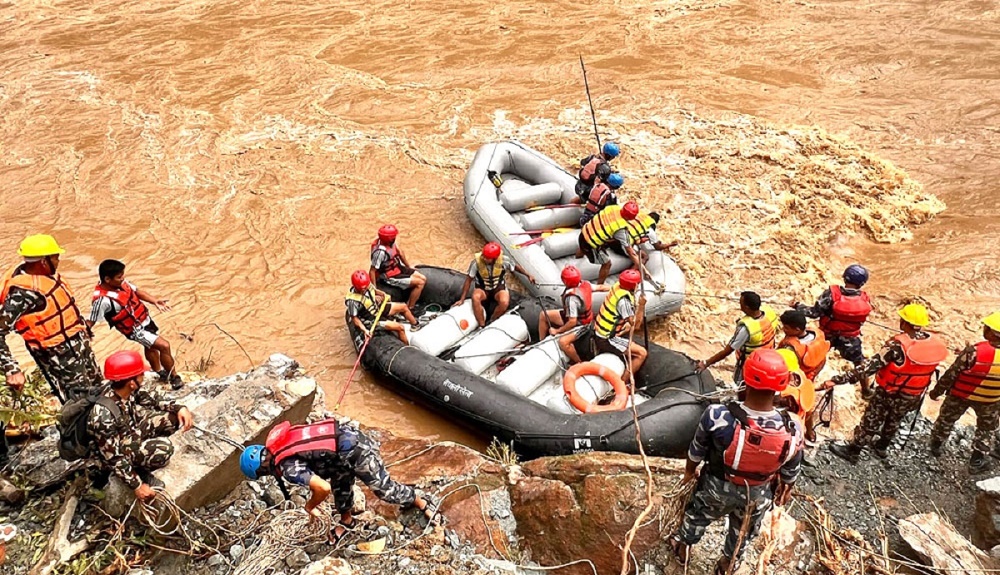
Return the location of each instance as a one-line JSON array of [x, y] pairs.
[[70, 367], [885, 411], [137, 442], [953, 408], [716, 496], [357, 457]]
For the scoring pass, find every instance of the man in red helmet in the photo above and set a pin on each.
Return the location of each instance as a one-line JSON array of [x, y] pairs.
[[489, 269], [130, 425], [619, 316], [746, 445], [576, 305], [609, 226], [367, 305], [389, 265]]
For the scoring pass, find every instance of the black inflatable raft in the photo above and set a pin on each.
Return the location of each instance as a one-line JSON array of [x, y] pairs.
[[667, 383]]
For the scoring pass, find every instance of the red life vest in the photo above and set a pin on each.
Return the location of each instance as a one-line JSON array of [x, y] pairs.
[[598, 198], [922, 357], [286, 440], [756, 454], [981, 382], [589, 168], [849, 313], [394, 266], [585, 292], [133, 312]]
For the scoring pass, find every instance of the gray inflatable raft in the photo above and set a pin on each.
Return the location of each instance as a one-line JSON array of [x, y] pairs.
[[532, 181]]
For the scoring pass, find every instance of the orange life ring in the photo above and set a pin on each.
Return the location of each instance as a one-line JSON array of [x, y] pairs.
[[590, 368]]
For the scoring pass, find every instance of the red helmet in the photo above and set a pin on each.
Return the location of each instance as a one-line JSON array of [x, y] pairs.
[[629, 279], [491, 251], [766, 369], [387, 234], [360, 280], [122, 365], [630, 210], [571, 276]]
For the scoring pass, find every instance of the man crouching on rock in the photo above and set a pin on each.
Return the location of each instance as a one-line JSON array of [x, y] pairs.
[[327, 457], [747, 446], [130, 425]]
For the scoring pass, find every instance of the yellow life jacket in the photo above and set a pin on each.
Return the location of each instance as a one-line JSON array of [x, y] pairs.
[[490, 276], [602, 227], [369, 303], [640, 226], [607, 321], [762, 331]]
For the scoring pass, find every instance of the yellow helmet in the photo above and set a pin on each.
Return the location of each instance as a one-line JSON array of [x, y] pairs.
[[992, 321], [39, 246], [915, 314], [791, 360]]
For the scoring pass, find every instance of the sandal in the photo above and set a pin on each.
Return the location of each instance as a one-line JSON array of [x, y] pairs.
[[346, 528]]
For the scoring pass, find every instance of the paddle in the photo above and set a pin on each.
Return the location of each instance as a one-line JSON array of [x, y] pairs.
[[552, 207], [537, 232]]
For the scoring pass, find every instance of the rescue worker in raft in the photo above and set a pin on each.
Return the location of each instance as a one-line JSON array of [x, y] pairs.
[[638, 239], [602, 194], [489, 269], [120, 303], [389, 265], [618, 317], [40, 307], [972, 382], [327, 457], [365, 305], [755, 330], [903, 370], [745, 445], [130, 426], [842, 311], [597, 236], [577, 310], [590, 165]]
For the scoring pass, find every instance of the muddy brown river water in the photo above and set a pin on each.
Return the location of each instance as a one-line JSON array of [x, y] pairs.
[[239, 156]]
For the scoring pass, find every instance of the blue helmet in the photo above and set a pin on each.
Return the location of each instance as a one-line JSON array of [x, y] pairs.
[[856, 274], [251, 459], [611, 150], [616, 180]]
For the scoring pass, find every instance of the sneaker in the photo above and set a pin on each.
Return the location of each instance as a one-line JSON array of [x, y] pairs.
[[846, 451], [176, 382], [164, 375], [935, 446], [977, 463]]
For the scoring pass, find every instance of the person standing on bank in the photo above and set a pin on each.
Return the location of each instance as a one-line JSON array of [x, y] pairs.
[[972, 382], [903, 370], [758, 328], [120, 303], [746, 446], [842, 312]]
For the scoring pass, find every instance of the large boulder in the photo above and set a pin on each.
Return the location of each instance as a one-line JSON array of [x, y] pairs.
[[582, 506], [986, 522], [203, 468]]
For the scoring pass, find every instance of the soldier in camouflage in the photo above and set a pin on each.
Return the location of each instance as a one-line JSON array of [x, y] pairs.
[[35, 302], [972, 382], [329, 463], [130, 425]]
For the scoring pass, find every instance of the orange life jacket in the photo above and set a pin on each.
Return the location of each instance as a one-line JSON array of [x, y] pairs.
[[395, 265], [133, 312], [812, 355], [57, 322], [585, 292], [589, 168], [756, 454], [848, 315], [922, 356], [286, 440], [981, 382]]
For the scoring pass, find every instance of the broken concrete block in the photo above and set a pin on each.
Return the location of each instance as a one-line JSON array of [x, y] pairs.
[[205, 468]]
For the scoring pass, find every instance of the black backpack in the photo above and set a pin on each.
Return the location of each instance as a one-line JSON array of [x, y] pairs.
[[75, 441]]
